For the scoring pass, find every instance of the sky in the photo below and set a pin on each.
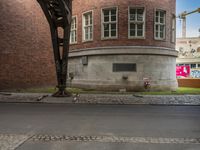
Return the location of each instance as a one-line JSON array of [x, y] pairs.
[[193, 20]]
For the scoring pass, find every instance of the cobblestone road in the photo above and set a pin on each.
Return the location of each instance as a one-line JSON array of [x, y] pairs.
[[122, 99], [11, 142], [117, 139]]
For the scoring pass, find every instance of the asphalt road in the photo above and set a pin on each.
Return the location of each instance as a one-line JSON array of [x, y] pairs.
[[145, 127]]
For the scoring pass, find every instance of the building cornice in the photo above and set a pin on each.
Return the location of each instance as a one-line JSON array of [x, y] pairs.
[[124, 50]]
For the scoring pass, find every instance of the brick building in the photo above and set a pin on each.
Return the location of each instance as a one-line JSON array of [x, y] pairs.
[[114, 45], [118, 44]]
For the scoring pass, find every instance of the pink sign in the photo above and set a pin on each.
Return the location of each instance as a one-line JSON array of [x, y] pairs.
[[182, 71]]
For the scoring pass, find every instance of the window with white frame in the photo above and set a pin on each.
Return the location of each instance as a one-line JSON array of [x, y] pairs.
[[73, 33], [109, 23], [136, 22], [173, 29], [160, 25], [87, 26]]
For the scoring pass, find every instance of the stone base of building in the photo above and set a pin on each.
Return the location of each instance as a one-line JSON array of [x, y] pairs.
[[136, 86], [95, 69]]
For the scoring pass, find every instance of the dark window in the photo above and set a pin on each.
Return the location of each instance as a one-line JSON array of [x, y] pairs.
[[124, 67], [193, 65]]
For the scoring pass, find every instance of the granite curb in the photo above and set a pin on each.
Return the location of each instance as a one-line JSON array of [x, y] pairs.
[[110, 99]]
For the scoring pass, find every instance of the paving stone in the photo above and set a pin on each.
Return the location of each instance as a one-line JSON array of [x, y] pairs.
[[11, 142], [118, 139], [123, 99]]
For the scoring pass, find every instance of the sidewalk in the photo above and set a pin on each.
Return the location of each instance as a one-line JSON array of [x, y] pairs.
[[116, 99]]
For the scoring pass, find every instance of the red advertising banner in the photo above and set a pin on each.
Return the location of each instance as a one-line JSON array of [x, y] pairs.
[[183, 71]]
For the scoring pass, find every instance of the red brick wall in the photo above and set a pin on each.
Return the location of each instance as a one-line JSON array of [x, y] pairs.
[[26, 58], [81, 6]]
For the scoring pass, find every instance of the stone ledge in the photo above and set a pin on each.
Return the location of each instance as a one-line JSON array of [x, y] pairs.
[[127, 50]]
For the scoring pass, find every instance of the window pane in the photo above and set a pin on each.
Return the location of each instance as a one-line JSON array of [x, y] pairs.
[[73, 24], [106, 12], [90, 18], [162, 14], [90, 32], [74, 36], [132, 17], [132, 32], [106, 18], [157, 19], [113, 33], [140, 14], [132, 14], [113, 12], [113, 26], [140, 17], [132, 26], [193, 65], [73, 31], [132, 11], [86, 36], [113, 18], [140, 11], [86, 20], [106, 26], [106, 33], [162, 28], [86, 33], [139, 33], [161, 20], [161, 34], [157, 13], [86, 30], [173, 23], [157, 27], [157, 34], [140, 26], [71, 37], [139, 29]]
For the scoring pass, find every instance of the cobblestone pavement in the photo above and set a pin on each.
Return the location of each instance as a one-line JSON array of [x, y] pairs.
[[104, 99], [11, 142], [117, 139]]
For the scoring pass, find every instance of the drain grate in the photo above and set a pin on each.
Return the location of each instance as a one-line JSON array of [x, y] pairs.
[[116, 139]]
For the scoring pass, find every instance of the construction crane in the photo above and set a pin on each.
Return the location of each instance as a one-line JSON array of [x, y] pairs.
[[183, 17]]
